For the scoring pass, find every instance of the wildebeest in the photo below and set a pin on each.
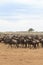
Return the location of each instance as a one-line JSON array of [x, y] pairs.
[[21, 41], [41, 41]]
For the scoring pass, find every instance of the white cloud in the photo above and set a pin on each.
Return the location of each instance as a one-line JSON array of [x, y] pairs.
[[31, 2], [19, 1], [25, 21], [6, 23], [21, 16], [38, 3], [23, 24]]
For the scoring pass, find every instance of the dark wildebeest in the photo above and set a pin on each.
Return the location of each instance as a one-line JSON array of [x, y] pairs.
[[8, 39], [29, 41], [1, 37], [41, 41], [15, 41], [22, 41], [32, 42]]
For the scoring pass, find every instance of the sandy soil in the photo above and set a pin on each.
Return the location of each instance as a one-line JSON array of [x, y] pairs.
[[20, 56]]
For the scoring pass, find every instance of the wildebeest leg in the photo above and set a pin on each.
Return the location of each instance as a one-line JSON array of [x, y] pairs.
[[22, 45], [25, 45], [30, 46], [37, 45], [34, 45], [17, 45], [11, 45], [42, 44]]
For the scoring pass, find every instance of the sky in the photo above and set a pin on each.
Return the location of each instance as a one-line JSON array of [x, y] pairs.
[[20, 15]]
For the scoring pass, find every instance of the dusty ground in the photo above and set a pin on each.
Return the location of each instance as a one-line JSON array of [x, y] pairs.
[[20, 56]]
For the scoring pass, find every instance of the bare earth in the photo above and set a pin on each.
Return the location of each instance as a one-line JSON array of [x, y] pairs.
[[20, 56]]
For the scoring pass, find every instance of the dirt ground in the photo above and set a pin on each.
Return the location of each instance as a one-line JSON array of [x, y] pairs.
[[20, 56]]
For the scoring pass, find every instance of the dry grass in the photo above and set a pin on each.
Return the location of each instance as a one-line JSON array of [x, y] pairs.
[[20, 56]]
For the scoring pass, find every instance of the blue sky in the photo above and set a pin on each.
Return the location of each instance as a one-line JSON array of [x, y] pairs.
[[21, 15]]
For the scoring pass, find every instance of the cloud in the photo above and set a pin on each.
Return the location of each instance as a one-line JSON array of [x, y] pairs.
[[22, 16], [12, 9], [37, 3], [22, 25]]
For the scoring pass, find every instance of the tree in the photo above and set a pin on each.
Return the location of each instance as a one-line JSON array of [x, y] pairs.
[[31, 30]]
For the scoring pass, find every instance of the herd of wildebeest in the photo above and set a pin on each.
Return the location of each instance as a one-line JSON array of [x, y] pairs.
[[22, 41]]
